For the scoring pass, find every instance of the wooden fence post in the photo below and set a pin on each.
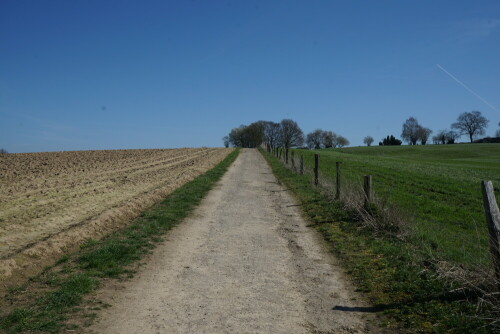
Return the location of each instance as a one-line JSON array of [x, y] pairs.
[[316, 168], [367, 186], [337, 195], [286, 156], [301, 164], [493, 220], [293, 160]]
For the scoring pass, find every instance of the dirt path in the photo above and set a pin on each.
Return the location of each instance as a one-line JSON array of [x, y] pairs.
[[244, 262]]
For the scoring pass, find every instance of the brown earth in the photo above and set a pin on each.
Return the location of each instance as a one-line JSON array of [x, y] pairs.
[[243, 262], [52, 202]]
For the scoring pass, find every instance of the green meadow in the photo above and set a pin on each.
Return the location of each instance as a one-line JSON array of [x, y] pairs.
[[437, 186]]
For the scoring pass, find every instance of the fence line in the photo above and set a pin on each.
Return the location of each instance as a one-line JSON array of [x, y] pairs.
[[301, 164], [493, 220], [316, 168], [491, 209], [337, 193], [367, 187]]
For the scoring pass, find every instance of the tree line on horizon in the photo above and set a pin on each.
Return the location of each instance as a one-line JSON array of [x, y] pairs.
[[286, 134], [472, 124]]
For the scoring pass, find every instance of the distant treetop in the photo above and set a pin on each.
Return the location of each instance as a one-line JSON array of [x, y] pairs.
[[471, 124], [389, 141]]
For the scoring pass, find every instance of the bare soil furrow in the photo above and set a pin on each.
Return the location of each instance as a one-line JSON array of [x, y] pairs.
[[65, 203], [55, 181]]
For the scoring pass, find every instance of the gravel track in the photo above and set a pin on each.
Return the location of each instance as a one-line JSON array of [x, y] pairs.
[[244, 262]]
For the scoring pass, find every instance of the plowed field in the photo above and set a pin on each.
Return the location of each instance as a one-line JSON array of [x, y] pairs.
[[50, 202]]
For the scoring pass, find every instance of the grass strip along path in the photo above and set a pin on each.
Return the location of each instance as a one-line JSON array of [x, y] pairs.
[[397, 277], [52, 300]]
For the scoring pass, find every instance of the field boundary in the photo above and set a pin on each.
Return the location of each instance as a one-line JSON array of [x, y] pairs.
[[49, 301]]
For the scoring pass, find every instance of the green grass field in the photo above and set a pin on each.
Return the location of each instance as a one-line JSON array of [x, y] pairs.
[[438, 185], [406, 279]]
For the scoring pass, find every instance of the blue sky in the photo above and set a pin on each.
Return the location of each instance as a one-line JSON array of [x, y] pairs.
[[79, 75]]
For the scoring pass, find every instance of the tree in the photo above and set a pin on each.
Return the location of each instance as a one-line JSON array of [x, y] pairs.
[[272, 134], [471, 123], [445, 137], [390, 141], [3, 151], [255, 133], [423, 134], [237, 137], [368, 140], [440, 137], [315, 139], [329, 138], [291, 134], [247, 135], [451, 136], [497, 133], [225, 139], [410, 131], [342, 141]]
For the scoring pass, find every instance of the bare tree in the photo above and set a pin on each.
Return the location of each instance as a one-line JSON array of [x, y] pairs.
[[342, 141], [423, 134], [329, 138], [471, 124], [315, 139], [3, 151], [225, 139], [237, 137], [272, 134], [410, 131], [440, 137], [451, 136], [497, 133], [247, 135], [368, 140], [445, 137], [291, 134]]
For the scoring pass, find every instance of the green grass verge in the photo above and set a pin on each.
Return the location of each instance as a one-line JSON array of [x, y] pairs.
[[64, 286], [398, 277], [438, 185]]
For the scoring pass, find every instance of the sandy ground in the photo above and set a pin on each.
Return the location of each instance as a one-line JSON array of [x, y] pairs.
[[244, 262], [52, 202]]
